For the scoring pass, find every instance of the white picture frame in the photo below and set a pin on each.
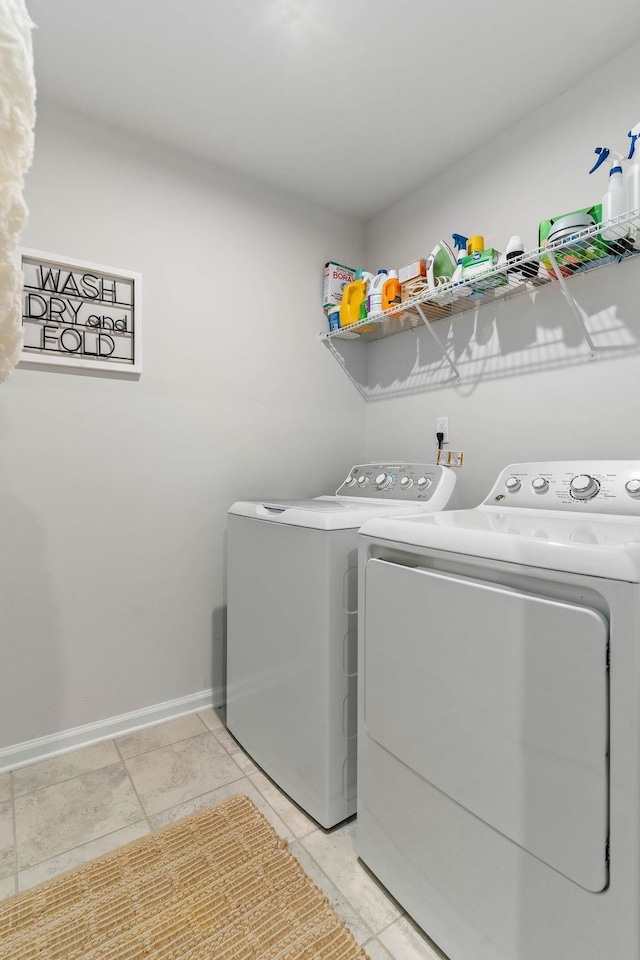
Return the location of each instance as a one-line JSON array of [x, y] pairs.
[[61, 328]]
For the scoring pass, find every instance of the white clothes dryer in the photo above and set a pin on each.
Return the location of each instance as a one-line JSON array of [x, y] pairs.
[[292, 627], [499, 715]]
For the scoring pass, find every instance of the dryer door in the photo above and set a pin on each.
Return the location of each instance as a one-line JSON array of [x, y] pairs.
[[499, 698]]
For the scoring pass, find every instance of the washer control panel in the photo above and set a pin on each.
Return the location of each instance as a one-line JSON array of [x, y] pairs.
[[595, 486], [393, 481]]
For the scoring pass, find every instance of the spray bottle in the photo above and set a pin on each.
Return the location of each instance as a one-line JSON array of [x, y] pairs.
[[633, 173], [460, 245], [477, 262], [614, 201]]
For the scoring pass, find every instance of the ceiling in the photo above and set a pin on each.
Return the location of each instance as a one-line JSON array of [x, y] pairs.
[[349, 103]]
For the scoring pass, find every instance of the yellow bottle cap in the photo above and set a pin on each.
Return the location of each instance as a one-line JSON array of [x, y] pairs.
[[476, 244]]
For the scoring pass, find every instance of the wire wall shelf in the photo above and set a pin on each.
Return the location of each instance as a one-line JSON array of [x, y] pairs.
[[553, 262]]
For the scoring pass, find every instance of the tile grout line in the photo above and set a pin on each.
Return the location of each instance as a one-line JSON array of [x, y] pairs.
[[419, 932], [120, 760], [112, 740], [64, 853], [145, 816], [313, 826], [423, 935], [242, 774], [255, 786], [301, 839], [197, 797], [260, 773], [47, 786], [163, 746], [378, 943], [375, 933], [133, 787], [191, 799], [101, 837], [342, 894], [384, 929]]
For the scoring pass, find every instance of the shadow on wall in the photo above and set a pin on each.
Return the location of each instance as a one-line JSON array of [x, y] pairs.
[[219, 659], [32, 693], [219, 637], [524, 334]]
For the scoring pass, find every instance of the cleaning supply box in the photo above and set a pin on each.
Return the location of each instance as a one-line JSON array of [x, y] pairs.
[[572, 256], [477, 264], [336, 278], [412, 271]]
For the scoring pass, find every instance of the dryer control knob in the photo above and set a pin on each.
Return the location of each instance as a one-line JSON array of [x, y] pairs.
[[406, 483], [512, 484], [349, 482], [633, 488], [384, 480], [424, 482], [540, 485], [363, 481], [583, 487]]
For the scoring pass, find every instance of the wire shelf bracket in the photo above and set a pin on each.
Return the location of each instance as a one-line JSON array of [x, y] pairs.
[[593, 353], [437, 339], [338, 356]]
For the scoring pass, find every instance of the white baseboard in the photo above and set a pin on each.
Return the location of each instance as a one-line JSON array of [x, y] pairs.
[[53, 744]]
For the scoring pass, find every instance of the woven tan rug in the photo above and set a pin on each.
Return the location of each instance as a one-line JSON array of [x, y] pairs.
[[217, 884]]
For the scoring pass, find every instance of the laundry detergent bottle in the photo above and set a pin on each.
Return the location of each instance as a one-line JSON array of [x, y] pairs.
[[391, 292], [353, 297], [364, 306], [374, 300]]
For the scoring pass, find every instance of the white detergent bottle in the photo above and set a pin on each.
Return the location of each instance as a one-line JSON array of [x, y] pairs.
[[615, 201], [633, 171], [375, 292]]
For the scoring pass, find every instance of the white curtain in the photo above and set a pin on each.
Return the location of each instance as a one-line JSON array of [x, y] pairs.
[[17, 119]]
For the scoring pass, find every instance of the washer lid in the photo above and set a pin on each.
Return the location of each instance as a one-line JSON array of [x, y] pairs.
[[598, 546], [322, 513]]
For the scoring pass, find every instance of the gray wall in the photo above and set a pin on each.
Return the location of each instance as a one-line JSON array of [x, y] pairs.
[[113, 493], [528, 391]]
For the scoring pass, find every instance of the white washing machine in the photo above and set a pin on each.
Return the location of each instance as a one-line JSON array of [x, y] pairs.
[[292, 622], [499, 717]]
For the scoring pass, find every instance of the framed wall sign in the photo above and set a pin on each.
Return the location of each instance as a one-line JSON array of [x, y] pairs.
[[79, 314]]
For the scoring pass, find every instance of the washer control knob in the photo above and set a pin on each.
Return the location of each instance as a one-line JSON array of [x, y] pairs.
[[633, 488], [540, 485], [384, 480], [424, 482], [406, 483], [513, 484], [583, 487], [363, 481], [349, 482]]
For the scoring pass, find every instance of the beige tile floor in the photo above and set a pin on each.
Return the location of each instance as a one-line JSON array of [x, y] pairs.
[[62, 812]]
